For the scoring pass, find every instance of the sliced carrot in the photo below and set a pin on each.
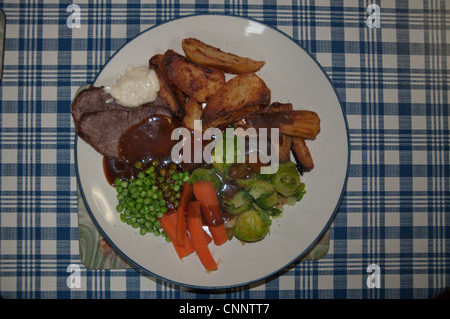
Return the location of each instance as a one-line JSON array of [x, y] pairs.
[[219, 234], [207, 237], [168, 223], [205, 193], [186, 196], [194, 221]]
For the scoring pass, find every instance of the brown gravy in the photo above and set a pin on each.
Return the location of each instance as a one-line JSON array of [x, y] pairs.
[[148, 140], [144, 142]]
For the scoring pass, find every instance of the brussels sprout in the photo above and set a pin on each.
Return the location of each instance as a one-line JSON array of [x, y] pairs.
[[290, 200], [221, 168], [287, 179], [239, 199], [233, 210], [239, 203], [251, 226], [267, 200], [256, 186], [202, 173], [300, 192], [271, 211]]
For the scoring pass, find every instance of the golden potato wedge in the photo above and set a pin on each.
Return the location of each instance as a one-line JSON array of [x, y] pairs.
[[241, 91], [300, 123], [193, 112], [284, 150], [302, 154], [169, 93], [297, 145], [194, 80], [303, 123], [207, 55]]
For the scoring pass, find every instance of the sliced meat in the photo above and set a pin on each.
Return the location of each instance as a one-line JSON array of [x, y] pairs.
[[95, 99], [100, 120], [102, 129]]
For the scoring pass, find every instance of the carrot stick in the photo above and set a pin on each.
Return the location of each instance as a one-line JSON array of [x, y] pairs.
[[207, 237], [168, 223], [219, 234], [186, 196], [205, 193], [194, 221]]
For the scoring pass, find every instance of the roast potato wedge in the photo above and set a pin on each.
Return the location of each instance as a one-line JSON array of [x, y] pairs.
[[193, 111], [284, 148], [299, 123], [213, 57], [304, 123], [196, 81], [302, 154], [234, 96], [172, 97]]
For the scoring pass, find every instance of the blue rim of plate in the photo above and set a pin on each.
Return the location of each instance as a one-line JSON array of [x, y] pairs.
[[299, 256]]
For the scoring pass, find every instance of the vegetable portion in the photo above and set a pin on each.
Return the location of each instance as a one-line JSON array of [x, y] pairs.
[[169, 225], [199, 242], [256, 198], [143, 200], [206, 195], [239, 203], [286, 180], [251, 226], [202, 173], [186, 196]]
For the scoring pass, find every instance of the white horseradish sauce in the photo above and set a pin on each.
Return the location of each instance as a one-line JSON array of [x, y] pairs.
[[139, 85]]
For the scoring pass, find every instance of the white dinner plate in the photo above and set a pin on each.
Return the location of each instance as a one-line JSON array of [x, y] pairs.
[[293, 76]]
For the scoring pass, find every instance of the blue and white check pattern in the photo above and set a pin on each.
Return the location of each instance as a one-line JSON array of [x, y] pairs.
[[393, 82]]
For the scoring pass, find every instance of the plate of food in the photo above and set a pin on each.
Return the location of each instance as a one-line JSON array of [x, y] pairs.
[[211, 151]]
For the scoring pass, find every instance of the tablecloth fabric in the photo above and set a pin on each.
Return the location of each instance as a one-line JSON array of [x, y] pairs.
[[393, 84]]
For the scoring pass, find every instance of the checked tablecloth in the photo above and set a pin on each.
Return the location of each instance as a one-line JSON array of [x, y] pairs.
[[390, 71]]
